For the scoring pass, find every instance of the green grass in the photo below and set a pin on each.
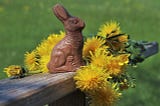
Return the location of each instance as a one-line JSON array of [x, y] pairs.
[[24, 24]]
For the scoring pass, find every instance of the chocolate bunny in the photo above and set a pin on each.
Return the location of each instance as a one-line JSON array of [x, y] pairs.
[[67, 54]]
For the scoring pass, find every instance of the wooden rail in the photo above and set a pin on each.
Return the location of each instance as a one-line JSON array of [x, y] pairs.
[[41, 89]]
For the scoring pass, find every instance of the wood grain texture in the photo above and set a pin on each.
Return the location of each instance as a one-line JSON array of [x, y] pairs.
[[36, 90]]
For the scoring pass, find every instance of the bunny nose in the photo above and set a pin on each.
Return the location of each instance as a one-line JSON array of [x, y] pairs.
[[82, 24]]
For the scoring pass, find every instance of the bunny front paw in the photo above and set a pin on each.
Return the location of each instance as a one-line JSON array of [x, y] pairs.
[[70, 63]]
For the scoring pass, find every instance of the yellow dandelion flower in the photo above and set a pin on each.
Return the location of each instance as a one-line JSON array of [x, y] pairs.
[[47, 45], [13, 70], [123, 59], [109, 29], [32, 60], [113, 66], [90, 78], [91, 45], [116, 64], [106, 96], [44, 48], [123, 38], [117, 42], [43, 63], [114, 39], [100, 57]]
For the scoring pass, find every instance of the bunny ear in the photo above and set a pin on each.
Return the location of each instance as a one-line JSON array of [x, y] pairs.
[[60, 12]]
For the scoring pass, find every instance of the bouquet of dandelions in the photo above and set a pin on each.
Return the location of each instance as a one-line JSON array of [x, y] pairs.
[[107, 56]]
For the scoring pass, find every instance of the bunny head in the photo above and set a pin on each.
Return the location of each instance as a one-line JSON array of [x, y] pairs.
[[71, 24]]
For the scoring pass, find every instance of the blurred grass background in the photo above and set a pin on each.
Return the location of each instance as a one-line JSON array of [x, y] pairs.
[[25, 23]]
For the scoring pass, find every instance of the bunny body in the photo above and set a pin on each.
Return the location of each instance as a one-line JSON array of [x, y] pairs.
[[67, 54]]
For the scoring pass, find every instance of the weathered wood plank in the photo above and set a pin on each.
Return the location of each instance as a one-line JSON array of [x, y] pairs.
[[76, 98], [36, 90], [150, 49]]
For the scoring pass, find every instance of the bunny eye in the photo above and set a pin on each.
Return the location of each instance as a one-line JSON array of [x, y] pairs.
[[74, 21]]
